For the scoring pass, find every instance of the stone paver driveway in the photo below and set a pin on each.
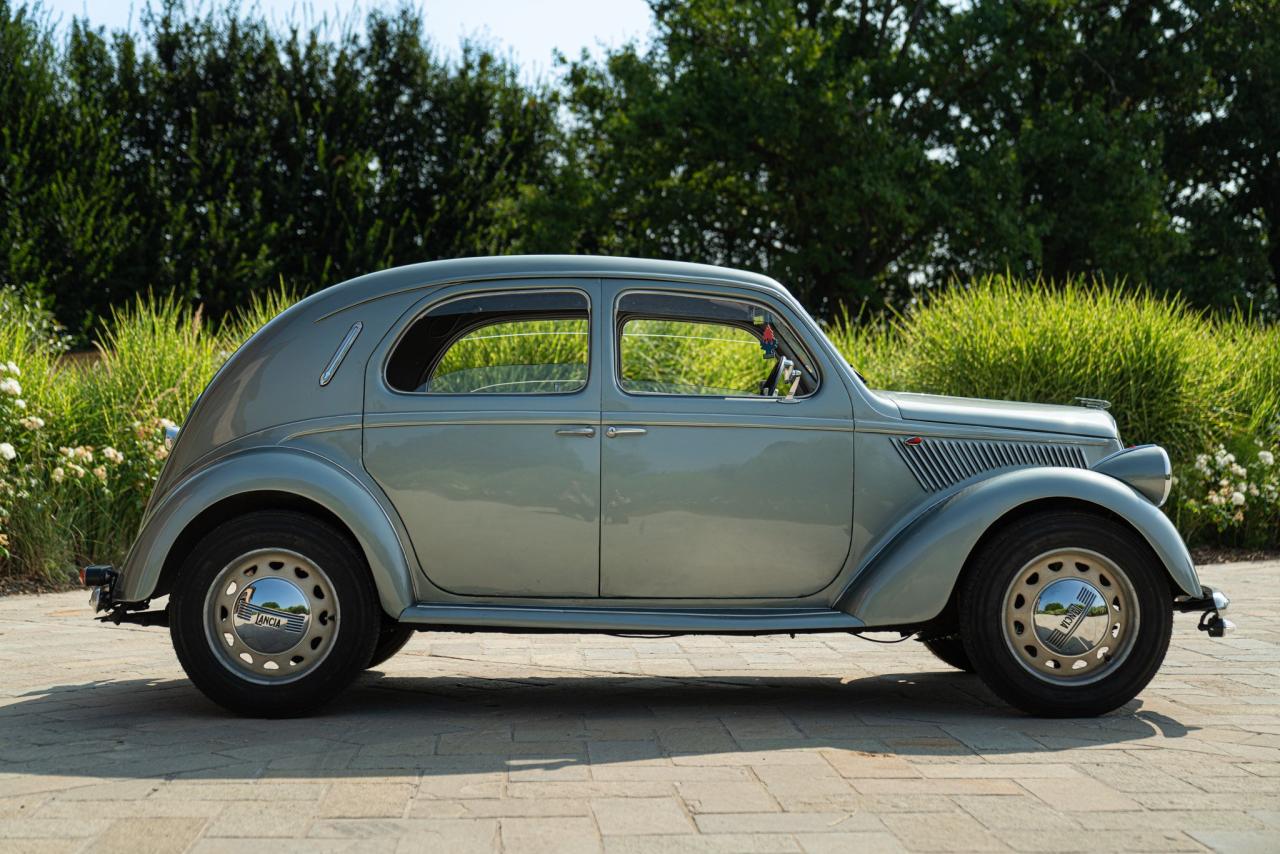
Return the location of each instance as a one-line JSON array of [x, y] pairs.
[[564, 743]]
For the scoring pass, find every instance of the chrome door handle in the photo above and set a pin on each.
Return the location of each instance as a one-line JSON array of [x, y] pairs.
[[586, 432], [615, 432]]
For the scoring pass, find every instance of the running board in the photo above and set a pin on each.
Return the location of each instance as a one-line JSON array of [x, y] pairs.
[[573, 619]]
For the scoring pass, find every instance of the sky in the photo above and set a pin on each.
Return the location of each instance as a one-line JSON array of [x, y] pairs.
[[530, 30]]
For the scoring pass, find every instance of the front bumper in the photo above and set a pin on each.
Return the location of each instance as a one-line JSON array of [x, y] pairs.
[[1211, 603]]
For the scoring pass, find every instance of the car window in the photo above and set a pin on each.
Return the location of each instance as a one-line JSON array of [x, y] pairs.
[[510, 343], [683, 357], [687, 345]]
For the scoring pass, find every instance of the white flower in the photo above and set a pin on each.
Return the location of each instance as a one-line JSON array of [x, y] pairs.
[[32, 422], [100, 473], [13, 369], [7, 451], [20, 403], [1215, 499], [1238, 470], [58, 474], [161, 453], [1237, 499], [1266, 458], [9, 385], [111, 455]]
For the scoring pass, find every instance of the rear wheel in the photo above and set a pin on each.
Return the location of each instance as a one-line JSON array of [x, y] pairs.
[[1066, 614], [950, 650], [273, 614]]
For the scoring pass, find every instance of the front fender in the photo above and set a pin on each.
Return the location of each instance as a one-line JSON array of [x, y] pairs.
[[910, 578], [273, 469]]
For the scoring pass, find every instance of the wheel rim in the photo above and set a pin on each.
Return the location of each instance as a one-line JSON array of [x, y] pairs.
[[1070, 616], [271, 616]]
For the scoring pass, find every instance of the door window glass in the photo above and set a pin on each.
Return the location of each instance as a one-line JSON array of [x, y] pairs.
[[509, 343], [679, 344]]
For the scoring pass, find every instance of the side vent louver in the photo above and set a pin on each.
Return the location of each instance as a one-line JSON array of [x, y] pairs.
[[940, 463]]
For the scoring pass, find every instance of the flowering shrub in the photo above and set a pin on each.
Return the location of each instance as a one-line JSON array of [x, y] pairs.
[[1236, 493]]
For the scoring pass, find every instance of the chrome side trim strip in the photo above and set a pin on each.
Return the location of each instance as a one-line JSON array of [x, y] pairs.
[[621, 619], [341, 353]]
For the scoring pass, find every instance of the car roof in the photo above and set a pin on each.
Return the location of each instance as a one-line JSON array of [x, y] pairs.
[[430, 273]]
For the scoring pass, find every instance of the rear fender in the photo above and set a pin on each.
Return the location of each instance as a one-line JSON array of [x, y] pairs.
[[280, 470], [909, 580]]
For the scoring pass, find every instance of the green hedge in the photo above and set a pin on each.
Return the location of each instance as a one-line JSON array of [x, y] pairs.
[[84, 435]]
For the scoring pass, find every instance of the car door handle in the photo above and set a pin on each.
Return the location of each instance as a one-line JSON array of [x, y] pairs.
[[615, 432], [585, 432]]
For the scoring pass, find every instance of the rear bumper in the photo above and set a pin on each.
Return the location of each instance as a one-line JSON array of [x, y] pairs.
[[1211, 603], [101, 581]]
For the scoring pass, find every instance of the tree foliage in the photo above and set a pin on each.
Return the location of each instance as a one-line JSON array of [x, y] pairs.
[[858, 150]]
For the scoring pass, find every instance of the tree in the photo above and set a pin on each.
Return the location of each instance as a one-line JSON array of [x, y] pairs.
[[786, 137]]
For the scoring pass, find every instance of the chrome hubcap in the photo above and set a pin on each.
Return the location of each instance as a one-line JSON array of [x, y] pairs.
[[271, 616], [1070, 616]]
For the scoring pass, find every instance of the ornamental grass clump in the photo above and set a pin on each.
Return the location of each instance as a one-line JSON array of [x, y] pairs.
[[82, 441], [1157, 361]]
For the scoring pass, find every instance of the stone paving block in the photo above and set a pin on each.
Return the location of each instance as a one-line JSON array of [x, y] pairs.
[[640, 816], [1241, 841], [148, 836], [1080, 796], [30, 827], [366, 800], [846, 843], [726, 844], [550, 836], [726, 796], [774, 822], [941, 832], [452, 835]]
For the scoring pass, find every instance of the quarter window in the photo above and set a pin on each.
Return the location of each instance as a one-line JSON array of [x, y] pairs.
[[508, 343]]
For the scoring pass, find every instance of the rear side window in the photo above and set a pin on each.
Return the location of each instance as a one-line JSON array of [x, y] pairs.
[[528, 342]]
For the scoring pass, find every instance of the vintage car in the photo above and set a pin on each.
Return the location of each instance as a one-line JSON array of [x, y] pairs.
[[586, 444]]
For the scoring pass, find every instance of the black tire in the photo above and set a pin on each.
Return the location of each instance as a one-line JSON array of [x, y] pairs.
[[352, 641], [391, 639], [1003, 561], [950, 650]]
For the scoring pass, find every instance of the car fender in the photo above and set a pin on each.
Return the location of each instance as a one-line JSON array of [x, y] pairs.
[[274, 469], [910, 578]]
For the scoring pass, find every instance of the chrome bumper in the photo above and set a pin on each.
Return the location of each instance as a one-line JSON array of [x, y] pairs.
[[1211, 603]]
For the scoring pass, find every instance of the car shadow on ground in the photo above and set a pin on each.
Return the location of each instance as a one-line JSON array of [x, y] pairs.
[[541, 728]]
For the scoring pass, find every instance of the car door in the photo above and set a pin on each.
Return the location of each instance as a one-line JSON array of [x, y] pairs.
[[710, 489], [482, 426]]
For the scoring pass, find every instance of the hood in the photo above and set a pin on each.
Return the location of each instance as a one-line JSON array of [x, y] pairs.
[[1005, 414]]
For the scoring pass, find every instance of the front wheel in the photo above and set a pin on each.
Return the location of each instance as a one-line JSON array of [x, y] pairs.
[[1066, 614], [273, 614], [391, 639]]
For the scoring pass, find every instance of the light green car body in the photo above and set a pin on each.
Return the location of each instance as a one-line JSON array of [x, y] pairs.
[[726, 515]]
